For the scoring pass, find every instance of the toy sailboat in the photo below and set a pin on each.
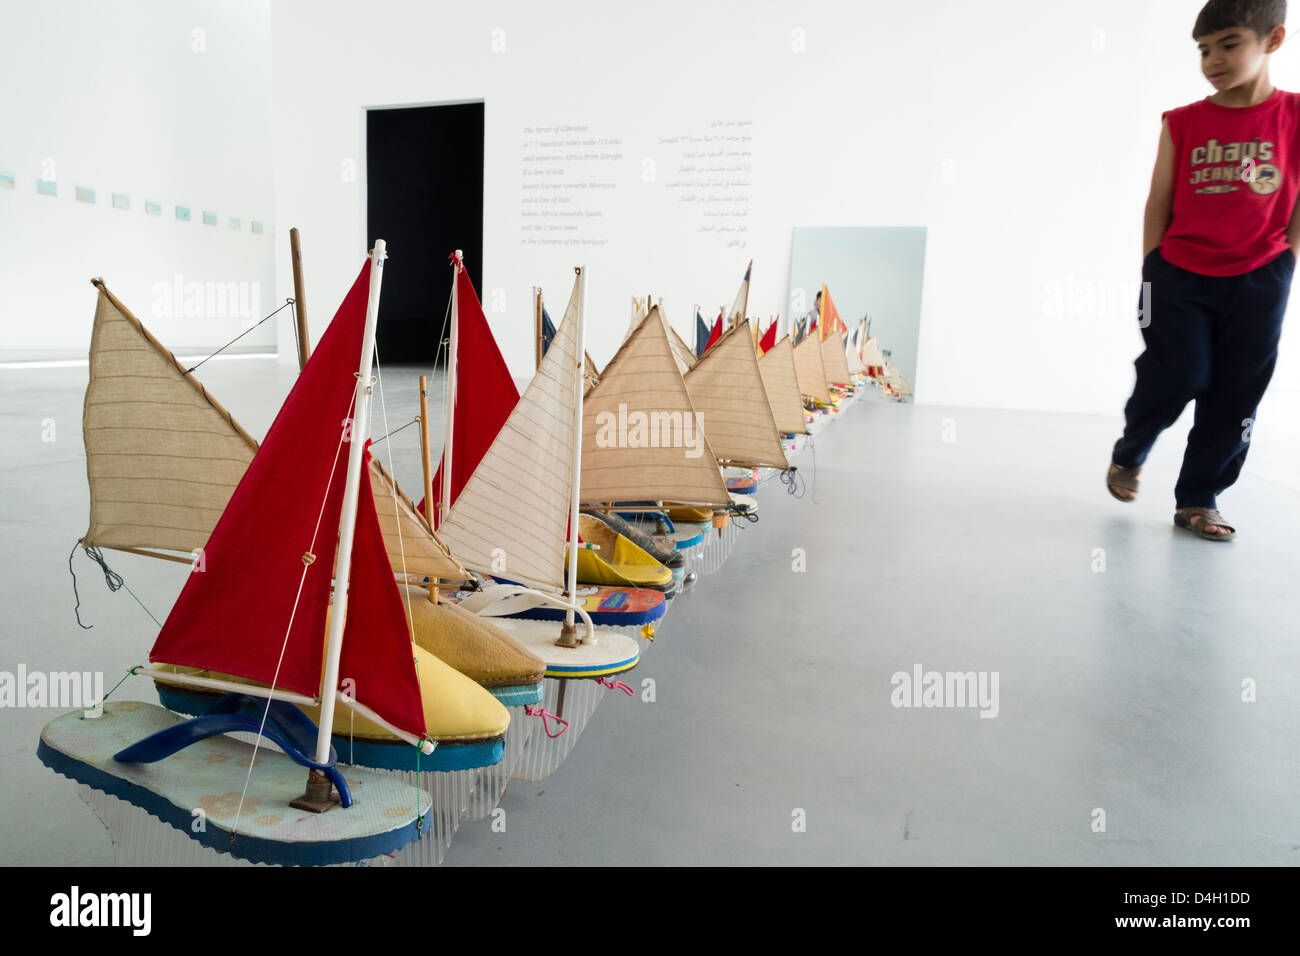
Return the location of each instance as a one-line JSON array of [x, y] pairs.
[[614, 603], [518, 530], [643, 445], [726, 390], [834, 361], [810, 372], [302, 519], [155, 490], [781, 383]]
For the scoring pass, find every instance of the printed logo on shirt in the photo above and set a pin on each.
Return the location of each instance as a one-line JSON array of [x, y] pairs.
[[1224, 165], [1266, 179]]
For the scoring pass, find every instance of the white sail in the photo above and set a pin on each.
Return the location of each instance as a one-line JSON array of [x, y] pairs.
[[739, 305], [511, 517], [681, 351]]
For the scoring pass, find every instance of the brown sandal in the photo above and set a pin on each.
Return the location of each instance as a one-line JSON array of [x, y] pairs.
[[1197, 520], [1118, 476]]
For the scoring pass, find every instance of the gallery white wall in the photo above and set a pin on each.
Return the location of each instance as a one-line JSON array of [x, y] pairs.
[[1021, 134], [157, 101]]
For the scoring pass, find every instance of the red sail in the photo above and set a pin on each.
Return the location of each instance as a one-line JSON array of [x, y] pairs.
[[715, 334], [485, 392], [768, 340], [232, 616], [377, 654]]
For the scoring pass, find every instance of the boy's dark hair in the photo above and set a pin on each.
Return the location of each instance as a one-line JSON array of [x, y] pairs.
[[1258, 15]]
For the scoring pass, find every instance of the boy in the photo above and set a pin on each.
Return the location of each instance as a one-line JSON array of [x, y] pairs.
[[1220, 235]]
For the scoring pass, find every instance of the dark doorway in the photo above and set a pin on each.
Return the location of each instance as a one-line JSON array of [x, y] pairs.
[[424, 176]]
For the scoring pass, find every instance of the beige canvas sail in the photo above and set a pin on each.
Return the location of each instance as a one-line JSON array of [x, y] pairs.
[[590, 374], [776, 366], [896, 381], [162, 456], [837, 366], [871, 356], [512, 516], [681, 351], [727, 391], [641, 385], [412, 546], [809, 369]]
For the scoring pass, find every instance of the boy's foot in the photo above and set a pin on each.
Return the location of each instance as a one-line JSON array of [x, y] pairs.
[[1121, 482], [1206, 522]]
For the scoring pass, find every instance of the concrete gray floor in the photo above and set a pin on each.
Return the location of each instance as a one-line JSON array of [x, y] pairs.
[[1120, 689]]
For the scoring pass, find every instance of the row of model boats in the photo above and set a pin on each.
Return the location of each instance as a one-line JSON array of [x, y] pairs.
[[409, 659]]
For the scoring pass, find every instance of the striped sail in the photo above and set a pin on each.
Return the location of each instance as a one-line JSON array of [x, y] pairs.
[[162, 456], [727, 391], [837, 367], [511, 518], [871, 356], [782, 387], [620, 462], [810, 371], [411, 545]]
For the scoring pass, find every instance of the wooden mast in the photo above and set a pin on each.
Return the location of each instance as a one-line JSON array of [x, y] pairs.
[[299, 298], [428, 468], [537, 326]]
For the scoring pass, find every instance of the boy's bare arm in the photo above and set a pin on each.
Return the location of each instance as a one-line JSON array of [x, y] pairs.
[[1293, 230], [1160, 202]]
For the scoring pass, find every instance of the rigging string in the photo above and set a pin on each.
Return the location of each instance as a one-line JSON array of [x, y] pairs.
[[111, 578], [444, 344], [293, 612], [406, 591], [387, 435], [813, 446], [794, 484], [294, 312], [287, 303]]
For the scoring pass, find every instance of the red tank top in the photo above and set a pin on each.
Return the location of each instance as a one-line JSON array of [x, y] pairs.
[[1236, 178]]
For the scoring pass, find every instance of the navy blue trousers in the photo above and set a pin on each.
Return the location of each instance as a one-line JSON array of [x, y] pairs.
[[1211, 340]]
